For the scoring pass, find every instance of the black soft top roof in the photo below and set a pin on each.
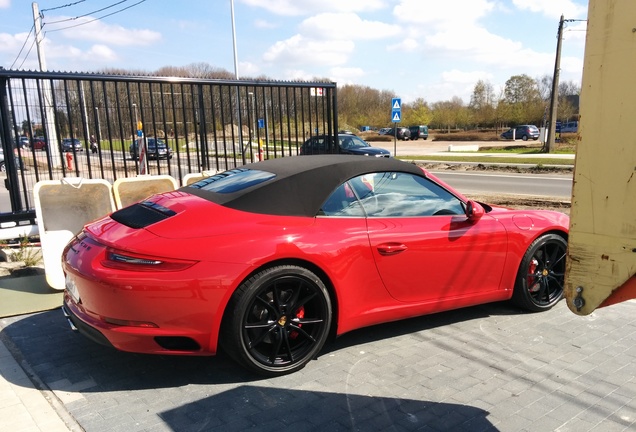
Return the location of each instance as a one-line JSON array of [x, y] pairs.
[[302, 183]]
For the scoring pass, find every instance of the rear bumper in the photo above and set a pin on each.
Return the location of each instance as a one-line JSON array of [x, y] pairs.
[[132, 339], [80, 326]]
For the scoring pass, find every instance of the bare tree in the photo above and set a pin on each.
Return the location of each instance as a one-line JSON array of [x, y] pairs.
[[483, 103]]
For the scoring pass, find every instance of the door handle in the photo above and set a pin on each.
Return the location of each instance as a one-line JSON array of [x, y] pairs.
[[391, 248]]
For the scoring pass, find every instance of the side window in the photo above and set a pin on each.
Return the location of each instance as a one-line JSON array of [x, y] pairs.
[[342, 202], [396, 194]]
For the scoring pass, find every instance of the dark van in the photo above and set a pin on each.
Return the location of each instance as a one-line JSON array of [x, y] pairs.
[[418, 132]]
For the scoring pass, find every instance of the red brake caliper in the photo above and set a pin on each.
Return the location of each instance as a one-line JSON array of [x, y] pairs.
[[300, 313], [533, 284]]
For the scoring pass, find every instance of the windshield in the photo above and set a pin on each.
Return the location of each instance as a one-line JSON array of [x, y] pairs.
[[352, 142], [158, 143]]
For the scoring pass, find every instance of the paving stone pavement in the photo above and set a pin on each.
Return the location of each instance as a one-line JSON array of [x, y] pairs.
[[485, 368]]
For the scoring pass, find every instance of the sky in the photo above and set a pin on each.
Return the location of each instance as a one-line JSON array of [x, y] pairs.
[[430, 49]]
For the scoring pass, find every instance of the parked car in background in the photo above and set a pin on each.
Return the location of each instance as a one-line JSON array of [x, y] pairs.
[[70, 144], [523, 132], [17, 160], [403, 133], [383, 131], [24, 141], [570, 127], [347, 144], [155, 148], [39, 143], [418, 132]]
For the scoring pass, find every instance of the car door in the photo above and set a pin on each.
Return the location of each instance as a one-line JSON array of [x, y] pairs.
[[425, 248]]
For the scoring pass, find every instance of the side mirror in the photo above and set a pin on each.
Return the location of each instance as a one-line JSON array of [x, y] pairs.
[[474, 211]]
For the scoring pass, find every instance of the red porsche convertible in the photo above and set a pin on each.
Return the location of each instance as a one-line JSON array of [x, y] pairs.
[[268, 260]]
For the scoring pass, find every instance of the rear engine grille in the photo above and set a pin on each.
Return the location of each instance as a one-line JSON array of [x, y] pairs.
[[142, 214]]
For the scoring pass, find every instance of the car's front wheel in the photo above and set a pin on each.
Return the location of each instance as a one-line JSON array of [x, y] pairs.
[[541, 275], [277, 320], [524, 137]]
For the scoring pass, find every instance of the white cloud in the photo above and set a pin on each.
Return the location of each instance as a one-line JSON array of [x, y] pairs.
[[301, 50], [474, 43], [346, 26], [56, 52], [407, 45], [345, 75], [99, 31], [101, 53], [575, 32], [5, 4], [297, 74], [457, 76], [12, 43], [553, 8], [249, 69], [309, 7], [572, 65], [263, 24], [448, 14]]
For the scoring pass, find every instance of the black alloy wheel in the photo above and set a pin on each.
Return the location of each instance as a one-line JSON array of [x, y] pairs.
[[541, 275], [278, 320]]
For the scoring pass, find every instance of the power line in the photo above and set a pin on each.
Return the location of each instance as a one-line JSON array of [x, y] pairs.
[[87, 14], [27, 54], [63, 6], [99, 18], [23, 45]]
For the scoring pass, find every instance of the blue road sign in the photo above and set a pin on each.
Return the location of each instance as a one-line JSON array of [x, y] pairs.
[[396, 110], [261, 123]]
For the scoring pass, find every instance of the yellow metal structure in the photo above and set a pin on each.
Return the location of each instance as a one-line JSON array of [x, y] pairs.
[[602, 242]]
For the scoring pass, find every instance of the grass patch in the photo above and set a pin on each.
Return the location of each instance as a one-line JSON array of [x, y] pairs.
[[486, 159], [528, 149]]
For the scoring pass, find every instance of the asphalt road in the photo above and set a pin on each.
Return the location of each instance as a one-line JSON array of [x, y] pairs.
[[536, 185]]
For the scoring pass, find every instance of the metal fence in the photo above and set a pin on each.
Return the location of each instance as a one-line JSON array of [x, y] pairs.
[[55, 125]]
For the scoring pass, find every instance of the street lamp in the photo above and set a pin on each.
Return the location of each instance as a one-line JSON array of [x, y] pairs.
[[136, 120], [253, 122], [99, 129]]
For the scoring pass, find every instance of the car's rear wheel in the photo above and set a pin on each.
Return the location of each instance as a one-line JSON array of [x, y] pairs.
[[541, 275], [524, 137], [278, 320]]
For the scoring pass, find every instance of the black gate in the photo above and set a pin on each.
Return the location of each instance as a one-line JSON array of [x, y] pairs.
[[55, 125]]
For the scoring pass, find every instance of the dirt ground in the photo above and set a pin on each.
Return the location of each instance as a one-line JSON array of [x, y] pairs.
[[506, 200]]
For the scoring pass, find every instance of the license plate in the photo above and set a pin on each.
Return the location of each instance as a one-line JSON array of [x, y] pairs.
[[72, 289]]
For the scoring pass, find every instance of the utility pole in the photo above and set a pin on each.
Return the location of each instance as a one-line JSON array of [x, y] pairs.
[[37, 22], [53, 153], [554, 96]]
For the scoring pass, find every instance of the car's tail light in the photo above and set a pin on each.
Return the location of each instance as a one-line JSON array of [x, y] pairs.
[[123, 260]]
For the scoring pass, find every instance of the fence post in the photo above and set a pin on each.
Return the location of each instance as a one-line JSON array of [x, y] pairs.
[[12, 182]]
